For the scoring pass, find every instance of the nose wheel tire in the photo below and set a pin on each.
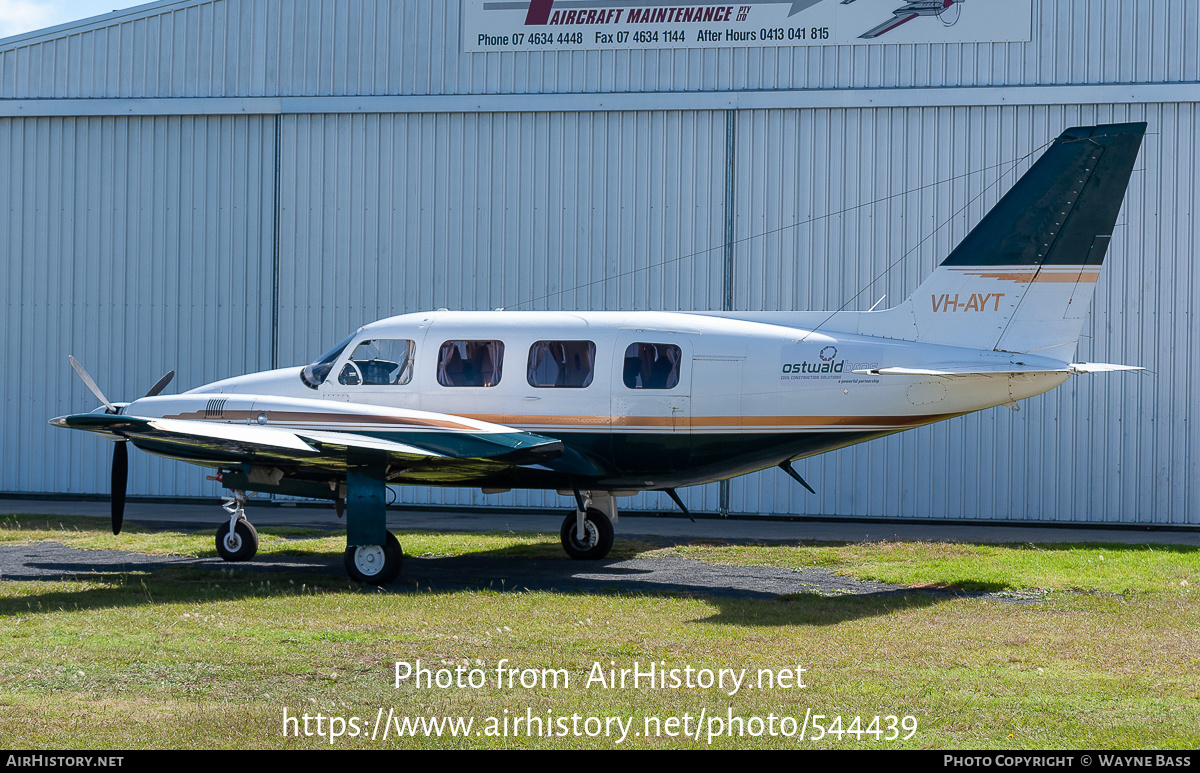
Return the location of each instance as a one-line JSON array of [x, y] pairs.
[[597, 538], [238, 545], [375, 564]]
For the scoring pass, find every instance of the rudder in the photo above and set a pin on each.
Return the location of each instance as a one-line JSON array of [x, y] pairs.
[[1023, 278]]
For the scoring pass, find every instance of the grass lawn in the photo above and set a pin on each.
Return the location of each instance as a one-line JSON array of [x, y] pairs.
[[1076, 646]]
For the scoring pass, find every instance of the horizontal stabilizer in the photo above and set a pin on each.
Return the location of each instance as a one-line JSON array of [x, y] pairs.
[[957, 371], [1101, 367], [999, 369]]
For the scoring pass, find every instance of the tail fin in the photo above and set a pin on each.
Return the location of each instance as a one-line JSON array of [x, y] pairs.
[[1022, 279]]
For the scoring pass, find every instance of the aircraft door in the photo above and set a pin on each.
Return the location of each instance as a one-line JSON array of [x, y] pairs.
[[717, 410], [651, 400]]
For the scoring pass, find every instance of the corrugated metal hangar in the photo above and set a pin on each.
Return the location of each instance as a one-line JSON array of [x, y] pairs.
[[223, 186]]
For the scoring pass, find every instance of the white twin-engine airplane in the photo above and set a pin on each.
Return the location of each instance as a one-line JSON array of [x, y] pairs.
[[598, 405]]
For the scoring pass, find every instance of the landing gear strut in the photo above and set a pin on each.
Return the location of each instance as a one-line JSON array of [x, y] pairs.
[[237, 540], [375, 564]]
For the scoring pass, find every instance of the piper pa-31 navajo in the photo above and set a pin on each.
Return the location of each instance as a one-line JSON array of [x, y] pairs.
[[598, 405]]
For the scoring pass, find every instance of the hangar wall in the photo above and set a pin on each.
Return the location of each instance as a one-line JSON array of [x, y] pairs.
[[140, 245], [162, 206], [250, 48], [1088, 450]]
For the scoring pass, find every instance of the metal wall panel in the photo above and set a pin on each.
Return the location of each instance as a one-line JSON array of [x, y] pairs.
[[116, 231], [1115, 447], [126, 230], [134, 244], [192, 48]]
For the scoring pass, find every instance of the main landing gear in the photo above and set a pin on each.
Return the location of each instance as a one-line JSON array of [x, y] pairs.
[[375, 564], [237, 540]]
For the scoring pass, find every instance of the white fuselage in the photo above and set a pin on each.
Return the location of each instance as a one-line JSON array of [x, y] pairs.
[[744, 394]]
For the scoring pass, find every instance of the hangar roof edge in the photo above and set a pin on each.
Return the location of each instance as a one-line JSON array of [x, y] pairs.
[[94, 22]]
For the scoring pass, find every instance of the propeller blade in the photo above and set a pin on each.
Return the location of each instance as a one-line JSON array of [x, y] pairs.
[[161, 384], [120, 472], [87, 381]]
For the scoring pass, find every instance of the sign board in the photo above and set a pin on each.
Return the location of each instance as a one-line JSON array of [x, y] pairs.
[[584, 25]]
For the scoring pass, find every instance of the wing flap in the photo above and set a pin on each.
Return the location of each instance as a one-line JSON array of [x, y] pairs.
[[349, 440]]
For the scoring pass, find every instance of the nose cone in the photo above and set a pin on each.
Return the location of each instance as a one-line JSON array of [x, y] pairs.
[[284, 382]]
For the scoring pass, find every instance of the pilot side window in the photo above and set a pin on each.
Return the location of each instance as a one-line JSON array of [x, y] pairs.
[[568, 364], [379, 362], [315, 374], [652, 366], [470, 363]]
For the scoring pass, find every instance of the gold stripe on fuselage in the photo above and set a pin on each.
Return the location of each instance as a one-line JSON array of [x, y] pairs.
[[533, 423]]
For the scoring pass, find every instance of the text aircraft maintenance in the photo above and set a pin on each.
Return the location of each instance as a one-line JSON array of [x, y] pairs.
[[599, 405]]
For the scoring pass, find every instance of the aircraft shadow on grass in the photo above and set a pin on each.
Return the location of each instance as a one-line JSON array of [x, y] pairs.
[[743, 595]]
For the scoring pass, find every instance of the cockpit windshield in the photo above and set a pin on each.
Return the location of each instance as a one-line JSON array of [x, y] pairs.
[[314, 375]]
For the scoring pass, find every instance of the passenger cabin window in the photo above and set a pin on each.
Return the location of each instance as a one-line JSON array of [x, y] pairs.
[[470, 363], [652, 366], [379, 362], [567, 364]]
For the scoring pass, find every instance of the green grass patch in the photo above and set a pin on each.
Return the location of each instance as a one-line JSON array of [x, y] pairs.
[[1087, 567], [190, 658]]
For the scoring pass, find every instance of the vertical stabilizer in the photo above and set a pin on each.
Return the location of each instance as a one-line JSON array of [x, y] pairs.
[[1022, 279]]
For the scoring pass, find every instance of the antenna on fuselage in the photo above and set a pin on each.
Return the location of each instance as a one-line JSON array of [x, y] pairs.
[[786, 466], [675, 498]]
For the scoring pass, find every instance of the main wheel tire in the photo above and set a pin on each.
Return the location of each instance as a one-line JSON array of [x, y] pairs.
[[240, 545], [597, 539], [375, 564]]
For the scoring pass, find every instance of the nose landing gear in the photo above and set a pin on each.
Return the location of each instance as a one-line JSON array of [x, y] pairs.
[[237, 540], [597, 537]]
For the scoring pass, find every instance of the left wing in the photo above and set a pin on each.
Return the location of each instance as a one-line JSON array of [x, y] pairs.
[[407, 440]]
